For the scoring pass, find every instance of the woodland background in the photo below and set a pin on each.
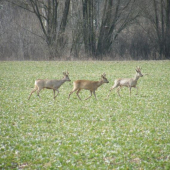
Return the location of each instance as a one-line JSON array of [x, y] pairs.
[[84, 29]]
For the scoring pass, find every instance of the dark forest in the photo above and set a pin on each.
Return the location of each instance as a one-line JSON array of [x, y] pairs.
[[84, 30]]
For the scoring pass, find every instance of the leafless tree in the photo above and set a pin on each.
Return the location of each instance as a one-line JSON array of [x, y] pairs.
[[52, 23], [158, 15], [57, 29]]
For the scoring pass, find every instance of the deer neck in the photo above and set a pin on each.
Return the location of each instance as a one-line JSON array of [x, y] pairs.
[[62, 81], [136, 77], [99, 83]]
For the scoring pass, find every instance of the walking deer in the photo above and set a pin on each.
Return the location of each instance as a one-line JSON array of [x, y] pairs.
[[88, 85], [128, 82], [50, 84]]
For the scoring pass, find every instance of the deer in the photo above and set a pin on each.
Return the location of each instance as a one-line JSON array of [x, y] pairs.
[[49, 84], [92, 86], [127, 82]]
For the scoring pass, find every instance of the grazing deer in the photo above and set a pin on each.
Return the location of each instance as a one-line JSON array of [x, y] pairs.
[[128, 82], [88, 85], [49, 84]]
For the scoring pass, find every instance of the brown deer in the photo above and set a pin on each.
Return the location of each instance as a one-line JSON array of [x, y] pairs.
[[49, 84], [88, 85], [128, 82]]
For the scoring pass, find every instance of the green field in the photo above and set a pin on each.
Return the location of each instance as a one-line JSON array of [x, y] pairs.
[[105, 134]]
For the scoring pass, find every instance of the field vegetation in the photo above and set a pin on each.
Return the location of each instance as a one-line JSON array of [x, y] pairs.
[[115, 133]]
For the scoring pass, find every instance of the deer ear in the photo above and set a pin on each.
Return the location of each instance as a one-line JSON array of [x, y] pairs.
[[138, 68], [64, 73]]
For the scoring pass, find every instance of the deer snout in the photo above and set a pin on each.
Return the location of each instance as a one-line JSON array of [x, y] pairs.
[[68, 79]]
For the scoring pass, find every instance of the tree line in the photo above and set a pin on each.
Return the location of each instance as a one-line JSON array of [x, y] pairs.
[[84, 29]]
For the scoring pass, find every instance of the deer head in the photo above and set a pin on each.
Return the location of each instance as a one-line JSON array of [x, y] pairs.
[[138, 71], [66, 76], [104, 79]]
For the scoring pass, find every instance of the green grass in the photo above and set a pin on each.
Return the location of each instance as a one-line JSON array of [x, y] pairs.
[[117, 133]]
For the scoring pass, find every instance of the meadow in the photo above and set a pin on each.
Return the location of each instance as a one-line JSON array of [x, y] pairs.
[[104, 134]]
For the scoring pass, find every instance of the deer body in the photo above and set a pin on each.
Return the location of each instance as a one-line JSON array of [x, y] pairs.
[[49, 84], [127, 82], [92, 86]]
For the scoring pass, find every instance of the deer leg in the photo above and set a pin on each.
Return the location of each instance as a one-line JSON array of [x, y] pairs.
[[130, 90], [90, 95], [38, 91], [54, 92], [71, 92], [115, 85], [94, 95], [136, 90], [118, 89], [78, 93], [32, 92], [110, 91]]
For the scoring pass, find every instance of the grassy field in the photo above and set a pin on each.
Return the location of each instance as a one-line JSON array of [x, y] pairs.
[[105, 134]]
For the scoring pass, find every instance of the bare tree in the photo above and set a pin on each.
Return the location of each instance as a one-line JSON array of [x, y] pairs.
[[167, 29], [88, 26], [117, 15], [121, 29], [52, 23], [158, 14]]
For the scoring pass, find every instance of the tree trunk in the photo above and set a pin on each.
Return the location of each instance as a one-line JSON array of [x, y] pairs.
[[88, 28], [105, 35], [63, 24], [167, 31]]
